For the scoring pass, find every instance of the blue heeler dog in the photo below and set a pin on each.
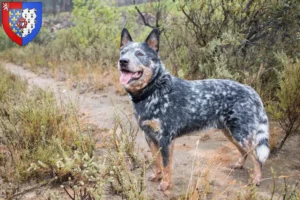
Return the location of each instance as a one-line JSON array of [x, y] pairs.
[[167, 107]]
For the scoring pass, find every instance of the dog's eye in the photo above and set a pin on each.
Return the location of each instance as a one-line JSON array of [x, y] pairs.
[[140, 54], [122, 52]]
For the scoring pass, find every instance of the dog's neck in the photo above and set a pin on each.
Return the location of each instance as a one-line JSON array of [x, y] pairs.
[[162, 83]]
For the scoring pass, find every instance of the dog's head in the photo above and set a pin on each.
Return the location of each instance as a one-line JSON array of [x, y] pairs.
[[139, 62]]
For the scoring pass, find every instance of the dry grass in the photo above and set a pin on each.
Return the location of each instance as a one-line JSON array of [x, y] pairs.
[[42, 139], [78, 74], [36, 133], [48, 130], [202, 184]]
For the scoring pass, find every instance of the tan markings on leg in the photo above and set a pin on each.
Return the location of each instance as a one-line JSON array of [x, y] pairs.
[[242, 159], [166, 182], [156, 176], [257, 170], [256, 164], [154, 124]]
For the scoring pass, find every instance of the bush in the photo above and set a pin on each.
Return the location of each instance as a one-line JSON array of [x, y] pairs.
[[123, 162], [44, 37], [235, 40], [287, 109], [34, 129], [10, 86], [45, 142], [5, 41]]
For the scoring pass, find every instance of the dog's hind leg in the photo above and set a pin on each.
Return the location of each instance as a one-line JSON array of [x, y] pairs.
[[167, 156], [242, 159], [257, 169], [250, 148], [157, 175]]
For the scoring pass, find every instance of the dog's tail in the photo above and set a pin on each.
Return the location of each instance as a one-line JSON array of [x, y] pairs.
[[262, 141]]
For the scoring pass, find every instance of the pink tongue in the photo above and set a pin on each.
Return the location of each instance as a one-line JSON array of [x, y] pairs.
[[125, 77]]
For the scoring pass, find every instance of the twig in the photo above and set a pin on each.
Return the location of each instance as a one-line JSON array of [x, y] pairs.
[[274, 184], [146, 23], [189, 17], [68, 194], [249, 3], [143, 18], [285, 190]]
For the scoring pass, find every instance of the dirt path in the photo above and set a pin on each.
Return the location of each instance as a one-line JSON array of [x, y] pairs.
[[99, 107], [211, 158]]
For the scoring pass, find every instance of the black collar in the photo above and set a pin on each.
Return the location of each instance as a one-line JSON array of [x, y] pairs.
[[154, 85]]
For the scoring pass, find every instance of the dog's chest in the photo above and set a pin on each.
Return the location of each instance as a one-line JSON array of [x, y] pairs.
[[154, 106], [151, 114]]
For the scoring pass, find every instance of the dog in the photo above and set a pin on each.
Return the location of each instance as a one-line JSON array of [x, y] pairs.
[[167, 107]]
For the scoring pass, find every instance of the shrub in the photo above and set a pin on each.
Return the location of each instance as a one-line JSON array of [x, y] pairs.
[[44, 37], [45, 141], [35, 129], [5, 41], [124, 164], [286, 110], [223, 39], [10, 86]]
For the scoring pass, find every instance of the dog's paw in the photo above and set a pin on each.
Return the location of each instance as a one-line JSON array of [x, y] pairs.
[[256, 181], [155, 177], [163, 186]]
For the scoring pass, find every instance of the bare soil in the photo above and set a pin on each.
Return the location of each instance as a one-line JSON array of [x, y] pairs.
[[209, 159]]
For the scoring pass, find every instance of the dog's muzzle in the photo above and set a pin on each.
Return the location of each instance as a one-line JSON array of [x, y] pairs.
[[124, 62]]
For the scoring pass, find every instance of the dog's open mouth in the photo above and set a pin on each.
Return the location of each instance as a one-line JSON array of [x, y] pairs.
[[128, 76]]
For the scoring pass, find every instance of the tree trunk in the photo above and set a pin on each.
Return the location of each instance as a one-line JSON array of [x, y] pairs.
[[283, 141], [70, 7], [54, 7]]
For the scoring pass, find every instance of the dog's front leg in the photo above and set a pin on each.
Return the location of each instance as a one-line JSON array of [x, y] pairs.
[[167, 157], [154, 147]]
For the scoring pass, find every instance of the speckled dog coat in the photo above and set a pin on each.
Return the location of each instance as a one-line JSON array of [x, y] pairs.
[[185, 106], [167, 107]]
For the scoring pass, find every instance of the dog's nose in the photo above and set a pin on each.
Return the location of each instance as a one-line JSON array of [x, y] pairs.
[[124, 62]]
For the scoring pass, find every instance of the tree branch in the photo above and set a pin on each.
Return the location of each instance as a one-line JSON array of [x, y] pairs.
[[189, 18], [143, 18], [146, 23], [248, 5]]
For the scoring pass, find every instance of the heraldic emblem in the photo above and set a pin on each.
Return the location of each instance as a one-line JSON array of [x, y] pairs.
[[22, 21]]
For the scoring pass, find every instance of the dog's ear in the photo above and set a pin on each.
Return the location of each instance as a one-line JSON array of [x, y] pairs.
[[153, 39], [125, 37]]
